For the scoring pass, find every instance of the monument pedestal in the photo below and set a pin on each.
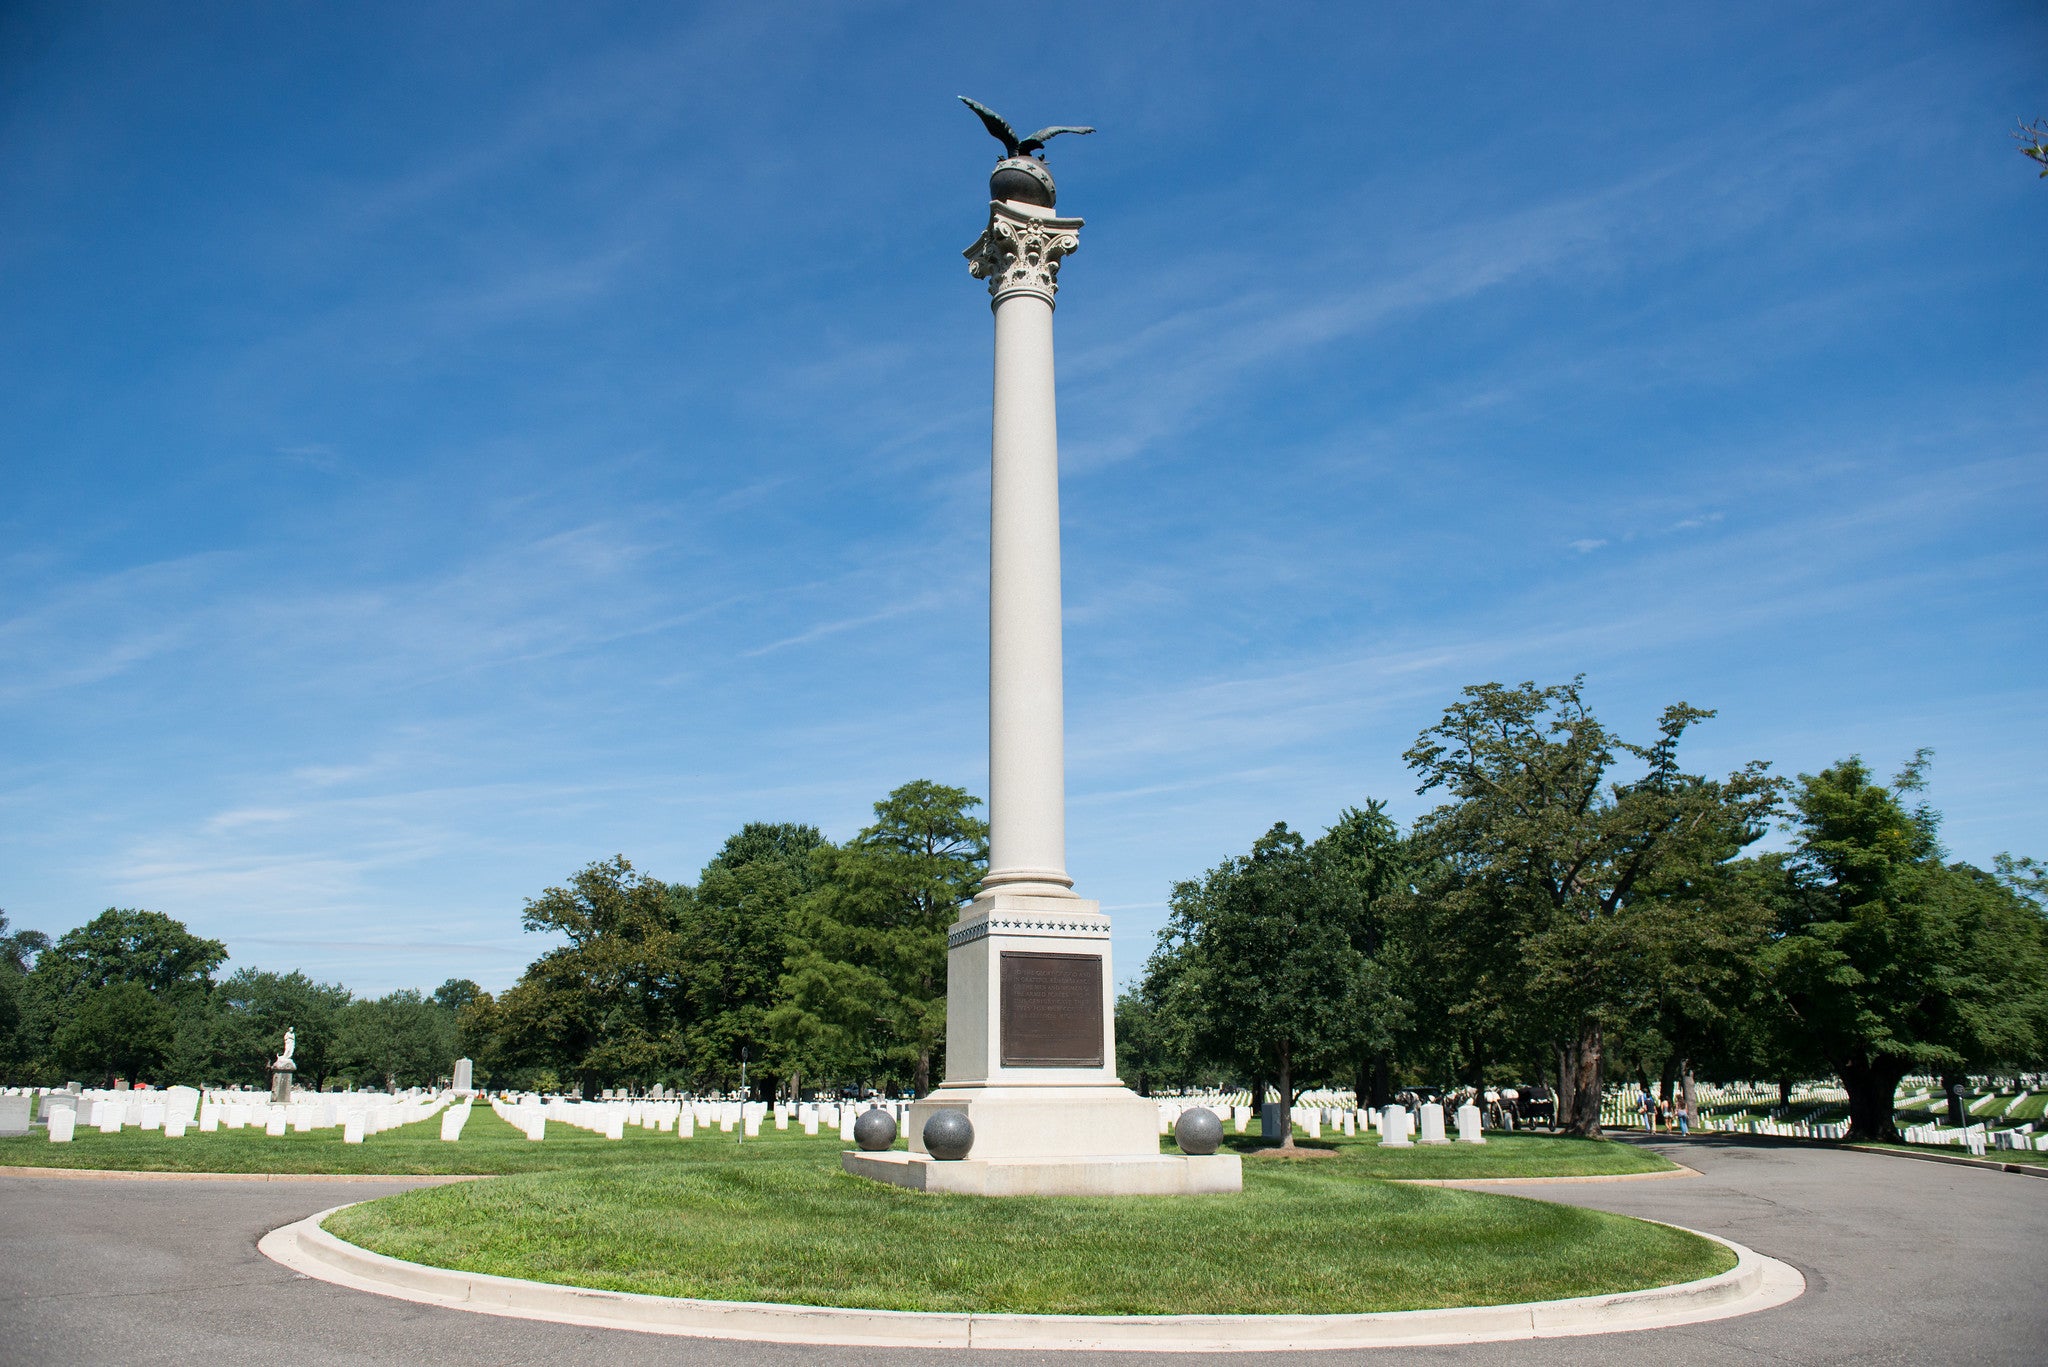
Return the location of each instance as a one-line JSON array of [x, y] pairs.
[[281, 1081], [1031, 1062], [1030, 1057]]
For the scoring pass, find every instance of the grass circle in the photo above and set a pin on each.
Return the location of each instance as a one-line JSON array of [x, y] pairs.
[[781, 1226]]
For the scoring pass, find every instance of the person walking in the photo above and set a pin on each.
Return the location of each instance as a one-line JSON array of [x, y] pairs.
[[1647, 1104]]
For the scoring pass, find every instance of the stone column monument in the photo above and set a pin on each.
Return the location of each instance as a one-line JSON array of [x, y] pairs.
[[1030, 1041]]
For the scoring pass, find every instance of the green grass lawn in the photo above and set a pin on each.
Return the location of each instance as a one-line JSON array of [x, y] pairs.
[[1502, 1155], [490, 1146], [779, 1222]]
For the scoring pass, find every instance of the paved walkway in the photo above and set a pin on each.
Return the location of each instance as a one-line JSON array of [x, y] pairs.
[[1906, 1262]]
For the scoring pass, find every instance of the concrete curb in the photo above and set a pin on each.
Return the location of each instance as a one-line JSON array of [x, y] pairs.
[[1754, 1283], [130, 1175], [1952, 1159]]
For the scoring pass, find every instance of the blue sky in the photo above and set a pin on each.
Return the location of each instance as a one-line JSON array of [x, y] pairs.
[[443, 445]]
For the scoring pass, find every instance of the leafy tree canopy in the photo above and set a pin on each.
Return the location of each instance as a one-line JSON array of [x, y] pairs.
[[122, 945]]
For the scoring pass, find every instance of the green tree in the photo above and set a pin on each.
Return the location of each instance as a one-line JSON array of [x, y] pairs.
[[19, 948], [123, 945], [2033, 141], [18, 951], [1554, 882], [399, 1040], [605, 1006], [456, 993], [1143, 1057], [1257, 970], [866, 981], [116, 1029], [477, 1035], [1891, 961], [145, 948], [255, 1008], [736, 940], [1358, 866]]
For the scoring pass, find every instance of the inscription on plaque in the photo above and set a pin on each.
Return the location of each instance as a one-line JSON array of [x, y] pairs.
[[1051, 1010]]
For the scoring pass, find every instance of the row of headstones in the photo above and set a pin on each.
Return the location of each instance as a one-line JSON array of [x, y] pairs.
[[1791, 1129], [1397, 1126], [531, 1114], [1979, 1137], [181, 1107]]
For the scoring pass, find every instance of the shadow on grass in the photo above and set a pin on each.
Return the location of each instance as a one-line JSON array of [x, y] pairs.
[[1254, 1145]]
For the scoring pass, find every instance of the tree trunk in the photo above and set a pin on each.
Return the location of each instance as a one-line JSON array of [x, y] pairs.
[[1873, 1090], [1382, 1082], [1584, 1069], [1565, 1093], [1666, 1079], [1286, 1094], [1685, 1100], [922, 1082], [1784, 1091]]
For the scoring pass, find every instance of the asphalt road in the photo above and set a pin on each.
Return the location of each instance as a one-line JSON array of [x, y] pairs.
[[1906, 1262]]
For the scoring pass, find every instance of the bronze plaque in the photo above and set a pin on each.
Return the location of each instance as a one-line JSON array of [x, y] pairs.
[[1052, 1010]]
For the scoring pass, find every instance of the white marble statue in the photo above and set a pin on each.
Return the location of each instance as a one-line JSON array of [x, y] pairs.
[[291, 1042]]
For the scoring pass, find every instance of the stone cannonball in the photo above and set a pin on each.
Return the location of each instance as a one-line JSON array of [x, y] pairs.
[[1198, 1131], [875, 1130], [948, 1134], [1024, 179]]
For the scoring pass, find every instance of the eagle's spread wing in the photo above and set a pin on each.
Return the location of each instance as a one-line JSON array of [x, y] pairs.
[[996, 125], [1037, 140]]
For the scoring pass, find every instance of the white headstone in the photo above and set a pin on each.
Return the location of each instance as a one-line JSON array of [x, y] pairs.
[[462, 1075], [181, 1104], [1469, 1125], [1394, 1128], [63, 1122], [452, 1121], [352, 1128], [1431, 1115], [274, 1124]]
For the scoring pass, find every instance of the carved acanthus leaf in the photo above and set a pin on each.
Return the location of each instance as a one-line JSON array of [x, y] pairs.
[[1022, 254]]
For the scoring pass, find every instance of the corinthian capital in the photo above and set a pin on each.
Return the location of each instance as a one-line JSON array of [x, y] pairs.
[[1021, 249]]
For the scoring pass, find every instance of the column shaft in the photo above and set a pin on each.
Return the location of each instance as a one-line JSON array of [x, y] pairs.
[[1027, 757]]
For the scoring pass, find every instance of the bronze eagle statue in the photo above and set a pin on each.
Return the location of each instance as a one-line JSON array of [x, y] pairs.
[[1014, 146]]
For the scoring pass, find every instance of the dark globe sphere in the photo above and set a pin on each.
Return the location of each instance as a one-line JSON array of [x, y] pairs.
[[1024, 179], [875, 1130], [1198, 1131], [948, 1134]]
